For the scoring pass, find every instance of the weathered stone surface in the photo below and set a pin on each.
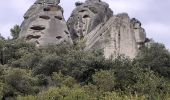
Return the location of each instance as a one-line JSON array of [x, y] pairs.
[[92, 21], [87, 16], [114, 34], [139, 32], [44, 24]]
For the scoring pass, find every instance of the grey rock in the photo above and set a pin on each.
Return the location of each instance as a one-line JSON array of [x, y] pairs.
[[115, 37], [118, 36], [44, 24], [53, 2], [86, 17], [139, 32], [78, 3], [93, 1], [92, 21]]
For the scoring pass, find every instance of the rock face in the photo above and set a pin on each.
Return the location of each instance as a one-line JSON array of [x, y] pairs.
[[44, 24], [1, 37], [86, 17], [92, 21]]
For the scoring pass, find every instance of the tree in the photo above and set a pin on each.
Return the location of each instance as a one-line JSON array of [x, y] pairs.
[[15, 31], [104, 80], [1, 37], [156, 57], [19, 80]]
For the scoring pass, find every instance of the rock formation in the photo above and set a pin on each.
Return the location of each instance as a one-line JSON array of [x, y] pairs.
[[92, 21], [116, 35], [87, 16], [44, 24]]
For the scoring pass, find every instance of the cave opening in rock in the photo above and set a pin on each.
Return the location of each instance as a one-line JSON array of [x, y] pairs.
[[58, 37], [47, 9], [37, 27], [29, 37], [86, 16], [82, 10], [58, 17], [44, 17]]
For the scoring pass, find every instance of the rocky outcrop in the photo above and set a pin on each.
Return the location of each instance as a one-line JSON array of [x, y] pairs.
[[86, 16], [92, 21], [100, 29], [44, 24]]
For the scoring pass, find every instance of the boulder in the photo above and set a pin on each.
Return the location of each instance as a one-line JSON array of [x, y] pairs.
[[86, 16], [44, 24]]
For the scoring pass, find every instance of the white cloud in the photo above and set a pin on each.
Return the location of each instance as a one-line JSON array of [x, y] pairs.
[[129, 6], [5, 29], [11, 14], [68, 6], [159, 32]]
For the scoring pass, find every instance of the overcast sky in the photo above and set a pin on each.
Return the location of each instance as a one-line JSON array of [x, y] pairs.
[[153, 14]]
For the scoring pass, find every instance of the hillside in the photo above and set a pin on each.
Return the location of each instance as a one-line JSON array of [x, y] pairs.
[[63, 72], [95, 55]]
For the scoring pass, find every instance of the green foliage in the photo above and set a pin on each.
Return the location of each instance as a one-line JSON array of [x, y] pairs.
[[12, 50], [150, 85], [15, 81], [63, 93], [26, 98], [19, 80], [63, 72], [104, 80], [157, 58], [15, 31], [62, 80]]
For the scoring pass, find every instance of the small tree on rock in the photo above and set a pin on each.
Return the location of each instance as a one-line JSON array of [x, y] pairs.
[[15, 31]]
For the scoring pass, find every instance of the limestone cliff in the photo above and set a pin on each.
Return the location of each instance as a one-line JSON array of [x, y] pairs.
[[92, 21], [44, 24]]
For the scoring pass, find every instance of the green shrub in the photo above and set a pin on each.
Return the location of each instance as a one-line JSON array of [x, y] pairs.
[[104, 80]]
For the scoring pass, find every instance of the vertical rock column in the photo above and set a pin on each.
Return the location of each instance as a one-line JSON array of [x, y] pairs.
[[44, 24], [86, 17]]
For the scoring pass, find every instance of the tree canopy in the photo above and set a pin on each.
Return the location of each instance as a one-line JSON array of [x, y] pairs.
[[63, 72]]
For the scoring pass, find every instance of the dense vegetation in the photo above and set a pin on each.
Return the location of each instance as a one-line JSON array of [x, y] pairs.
[[68, 73]]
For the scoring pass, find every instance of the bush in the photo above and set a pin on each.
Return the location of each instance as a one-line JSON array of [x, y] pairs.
[[73, 73], [12, 50], [156, 57], [62, 80], [104, 80], [20, 80], [15, 31]]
